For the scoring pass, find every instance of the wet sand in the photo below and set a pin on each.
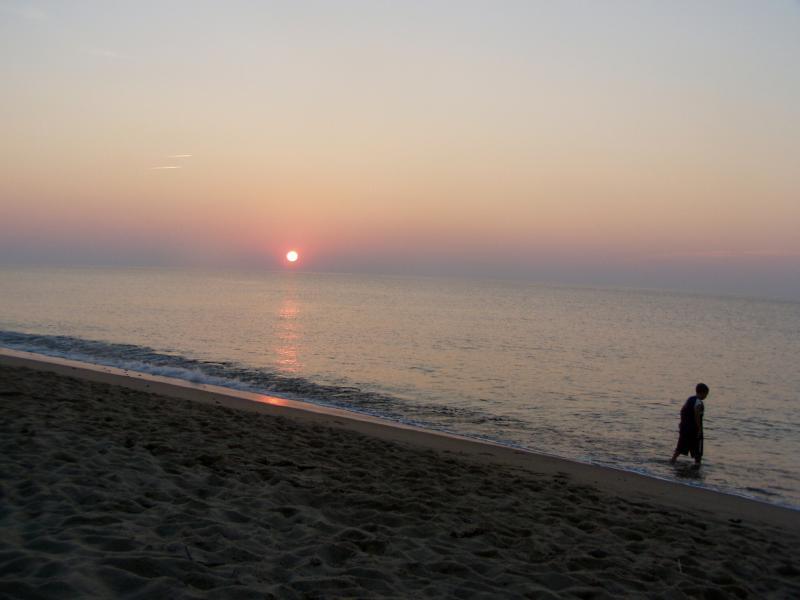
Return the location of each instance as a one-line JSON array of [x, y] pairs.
[[146, 490]]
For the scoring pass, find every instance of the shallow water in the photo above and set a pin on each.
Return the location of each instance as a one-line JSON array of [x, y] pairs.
[[596, 375]]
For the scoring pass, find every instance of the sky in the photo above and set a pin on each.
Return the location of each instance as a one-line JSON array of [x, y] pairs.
[[636, 143]]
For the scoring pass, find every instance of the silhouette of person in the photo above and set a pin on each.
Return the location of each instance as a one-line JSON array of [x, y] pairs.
[[690, 439]]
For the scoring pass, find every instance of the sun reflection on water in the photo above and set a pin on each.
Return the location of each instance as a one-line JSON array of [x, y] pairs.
[[289, 335]]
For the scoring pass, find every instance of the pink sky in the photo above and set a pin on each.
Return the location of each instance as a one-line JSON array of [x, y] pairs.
[[633, 143]]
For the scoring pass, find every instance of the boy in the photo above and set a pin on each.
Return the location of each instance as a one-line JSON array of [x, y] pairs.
[[690, 440]]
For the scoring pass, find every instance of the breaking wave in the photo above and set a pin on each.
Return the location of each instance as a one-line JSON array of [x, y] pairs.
[[143, 359]]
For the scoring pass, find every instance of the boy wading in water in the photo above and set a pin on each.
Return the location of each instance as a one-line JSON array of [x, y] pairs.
[[690, 440]]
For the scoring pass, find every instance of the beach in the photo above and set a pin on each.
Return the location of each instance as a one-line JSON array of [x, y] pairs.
[[114, 485]]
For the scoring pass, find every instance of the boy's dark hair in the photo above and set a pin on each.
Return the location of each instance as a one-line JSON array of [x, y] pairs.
[[701, 388]]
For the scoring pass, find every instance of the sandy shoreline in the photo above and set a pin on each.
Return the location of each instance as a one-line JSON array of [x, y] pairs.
[[148, 490]]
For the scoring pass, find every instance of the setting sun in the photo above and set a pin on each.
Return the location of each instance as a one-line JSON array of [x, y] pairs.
[[292, 256]]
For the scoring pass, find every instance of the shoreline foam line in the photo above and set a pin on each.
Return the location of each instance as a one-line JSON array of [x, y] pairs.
[[626, 484], [237, 376]]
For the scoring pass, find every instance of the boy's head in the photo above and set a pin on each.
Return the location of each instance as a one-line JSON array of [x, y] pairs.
[[701, 389]]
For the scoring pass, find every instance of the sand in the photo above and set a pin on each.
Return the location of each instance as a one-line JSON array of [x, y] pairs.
[[121, 491]]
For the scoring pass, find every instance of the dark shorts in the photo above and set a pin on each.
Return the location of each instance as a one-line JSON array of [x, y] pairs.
[[689, 443]]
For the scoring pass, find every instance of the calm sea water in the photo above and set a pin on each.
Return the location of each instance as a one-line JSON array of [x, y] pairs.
[[596, 375]]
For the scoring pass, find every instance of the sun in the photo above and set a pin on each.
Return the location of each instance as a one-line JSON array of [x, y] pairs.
[[292, 256]]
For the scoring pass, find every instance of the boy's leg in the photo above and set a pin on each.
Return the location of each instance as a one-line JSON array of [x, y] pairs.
[[698, 457]]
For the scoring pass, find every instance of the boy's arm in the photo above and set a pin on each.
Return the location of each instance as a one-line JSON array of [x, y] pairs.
[[698, 418]]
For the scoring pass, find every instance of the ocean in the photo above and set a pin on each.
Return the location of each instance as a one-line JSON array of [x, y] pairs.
[[596, 375]]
